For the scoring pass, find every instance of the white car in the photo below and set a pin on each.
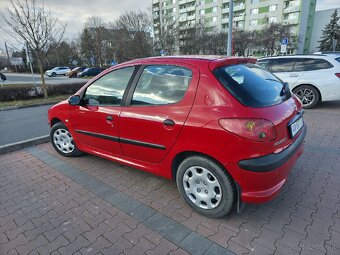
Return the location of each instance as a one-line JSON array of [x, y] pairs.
[[59, 70], [313, 78]]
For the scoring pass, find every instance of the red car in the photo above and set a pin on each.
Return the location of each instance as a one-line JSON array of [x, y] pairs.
[[225, 129]]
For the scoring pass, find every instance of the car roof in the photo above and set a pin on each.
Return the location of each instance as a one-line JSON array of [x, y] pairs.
[[214, 61], [297, 56]]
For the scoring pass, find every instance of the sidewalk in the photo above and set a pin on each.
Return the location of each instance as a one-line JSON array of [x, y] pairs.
[[87, 205]]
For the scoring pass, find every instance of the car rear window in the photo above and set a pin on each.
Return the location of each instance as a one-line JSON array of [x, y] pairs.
[[252, 85]]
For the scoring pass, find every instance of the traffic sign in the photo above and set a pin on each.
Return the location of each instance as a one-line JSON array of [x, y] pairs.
[[283, 48], [284, 41]]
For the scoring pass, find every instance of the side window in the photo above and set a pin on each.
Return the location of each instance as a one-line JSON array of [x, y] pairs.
[[282, 65], [263, 63], [109, 89], [300, 65], [161, 85], [316, 64]]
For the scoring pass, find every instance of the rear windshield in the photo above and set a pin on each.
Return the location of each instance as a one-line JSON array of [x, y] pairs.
[[251, 85]]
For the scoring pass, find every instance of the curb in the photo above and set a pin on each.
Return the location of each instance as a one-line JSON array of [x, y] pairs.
[[26, 106], [7, 148]]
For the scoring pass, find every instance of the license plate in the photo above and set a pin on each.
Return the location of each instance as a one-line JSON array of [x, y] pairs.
[[296, 126]]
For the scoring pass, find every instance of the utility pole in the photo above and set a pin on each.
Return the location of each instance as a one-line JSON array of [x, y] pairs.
[[230, 27], [8, 60]]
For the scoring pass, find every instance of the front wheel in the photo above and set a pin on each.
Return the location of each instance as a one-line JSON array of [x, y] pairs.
[[206, 186], [308, 95], [62, 141], [53, 74]]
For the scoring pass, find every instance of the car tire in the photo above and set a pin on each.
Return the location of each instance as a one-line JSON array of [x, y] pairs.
[[53, 74], [206, 186], [74, 75], [62, 141], [308, 95]]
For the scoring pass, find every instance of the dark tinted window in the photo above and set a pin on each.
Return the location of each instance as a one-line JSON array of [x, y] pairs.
[[109, 89], [251, 85], [281, 65], [311, 64], [161, 84], [337, 59]]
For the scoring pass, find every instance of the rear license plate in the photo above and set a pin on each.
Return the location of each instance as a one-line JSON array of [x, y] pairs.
[[296, 126]]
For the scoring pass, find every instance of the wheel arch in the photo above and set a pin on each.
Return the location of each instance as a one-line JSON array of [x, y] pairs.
[[306, 84], [54, 121]]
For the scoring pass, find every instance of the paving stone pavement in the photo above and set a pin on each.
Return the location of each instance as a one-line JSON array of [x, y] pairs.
[[50, 204]]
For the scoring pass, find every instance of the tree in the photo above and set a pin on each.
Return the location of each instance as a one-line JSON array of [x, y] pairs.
[[331, 34], [36, 26]]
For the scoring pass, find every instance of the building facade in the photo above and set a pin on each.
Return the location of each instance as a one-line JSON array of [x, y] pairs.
[[248, 15]]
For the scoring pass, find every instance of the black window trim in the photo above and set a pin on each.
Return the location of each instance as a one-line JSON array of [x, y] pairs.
[[127, 90], [138, 76]]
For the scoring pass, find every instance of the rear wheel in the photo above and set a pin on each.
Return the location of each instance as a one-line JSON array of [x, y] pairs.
[[308, 95], [205, 186], [53, 74], [62, 141]]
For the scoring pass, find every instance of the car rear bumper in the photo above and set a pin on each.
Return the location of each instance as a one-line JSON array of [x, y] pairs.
[[261, 179]]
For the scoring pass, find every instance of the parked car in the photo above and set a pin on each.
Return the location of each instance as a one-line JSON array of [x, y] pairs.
[[225, 129], [59, 70], [74, 72], [92, 71], [313, 78]]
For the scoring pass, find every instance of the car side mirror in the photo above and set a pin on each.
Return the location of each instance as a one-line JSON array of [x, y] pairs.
[[74, 100]]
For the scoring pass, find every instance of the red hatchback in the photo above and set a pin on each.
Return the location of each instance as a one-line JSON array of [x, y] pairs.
[[225, 129]]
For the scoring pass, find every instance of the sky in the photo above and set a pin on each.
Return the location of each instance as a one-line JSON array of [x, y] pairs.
[[75, 12]]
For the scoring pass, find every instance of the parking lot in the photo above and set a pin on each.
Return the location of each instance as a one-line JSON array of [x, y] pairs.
[[87, 205]]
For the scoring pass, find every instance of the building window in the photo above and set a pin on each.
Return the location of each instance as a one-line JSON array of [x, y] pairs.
[[255, 1], [202, 2], [214, 19], [214, 9], [273, 8], [272, 19], [254, 11], [174, 10], [253, 22], [202, 12], [173, 1]]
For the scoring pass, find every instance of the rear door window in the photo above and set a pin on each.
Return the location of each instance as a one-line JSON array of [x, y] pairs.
[[316, 64], [161, 85], [282, 65], [252, 85]]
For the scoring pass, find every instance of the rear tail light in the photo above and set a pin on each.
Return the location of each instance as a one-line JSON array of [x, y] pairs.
[[337, 75], [259, 130]]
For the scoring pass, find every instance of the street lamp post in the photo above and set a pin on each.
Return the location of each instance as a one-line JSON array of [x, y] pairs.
[[230, 27]]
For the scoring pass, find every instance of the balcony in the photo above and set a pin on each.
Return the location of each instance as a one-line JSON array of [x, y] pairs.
[[239, 7], [239, 18], [224, 21], [225, 10], [181, 2], [191, 17], [182, 19], [291, 21], [291, 9], [155, 1], [225, 1], [191, 8], [156, 9], [189, 1], [182, 10]]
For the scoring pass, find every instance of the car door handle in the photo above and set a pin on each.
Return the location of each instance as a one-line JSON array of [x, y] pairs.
[[109, 118], [294, 75], [168, 122]]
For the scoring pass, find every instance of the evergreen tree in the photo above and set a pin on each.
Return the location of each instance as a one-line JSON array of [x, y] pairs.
[[330, 33]]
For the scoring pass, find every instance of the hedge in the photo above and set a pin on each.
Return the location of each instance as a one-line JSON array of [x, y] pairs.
[[22, 92]]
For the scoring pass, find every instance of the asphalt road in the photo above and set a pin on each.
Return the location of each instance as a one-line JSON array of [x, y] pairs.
[[21, 124], [15, 78]]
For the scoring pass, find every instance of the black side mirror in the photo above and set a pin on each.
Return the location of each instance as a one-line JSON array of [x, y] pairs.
[[74, 100]]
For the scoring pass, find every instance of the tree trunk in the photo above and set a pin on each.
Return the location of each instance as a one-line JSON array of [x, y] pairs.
[[41, 69]]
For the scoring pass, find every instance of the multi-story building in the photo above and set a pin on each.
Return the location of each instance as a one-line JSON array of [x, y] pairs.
[[248, 15]]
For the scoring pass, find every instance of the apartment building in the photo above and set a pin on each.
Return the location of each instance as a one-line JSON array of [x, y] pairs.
[[248, 15]]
